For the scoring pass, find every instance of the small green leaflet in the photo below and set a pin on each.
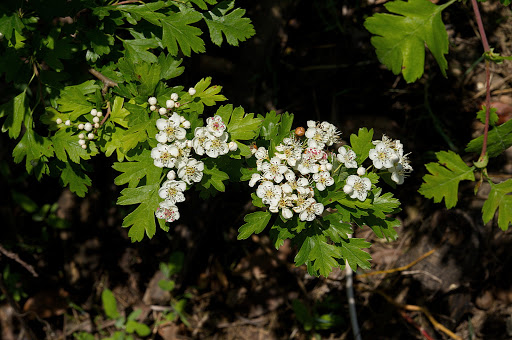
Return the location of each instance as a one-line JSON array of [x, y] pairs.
[[443, 182], [73, 99], [170, 66], [133, 172], [234, 26], [77, 180], [136, 50], [351, 249], [255, 224], [500, 198], [362, 143], [280, 231], [240, 126], [15, 109], [178, 31], [109, 304], [213, 176], [142, 220], [493, 117], [319, 255], [64, 142], [149, 76], [400, 38], [337, 230], [10, 23], [498, 140]]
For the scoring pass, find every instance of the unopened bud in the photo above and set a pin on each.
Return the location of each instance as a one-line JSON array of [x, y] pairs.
[[90, 136], [300, 131], [174, 96], [191, 91], [361, 171], [232, 146], [152, 101], [58, 121], [162, 110]]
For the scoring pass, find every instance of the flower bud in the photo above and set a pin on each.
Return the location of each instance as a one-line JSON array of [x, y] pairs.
[[94, 112], [81, 136], [347, 189], [81, 141], [232, 146], [96, 125], [186, 124], [99, 114], [174, 96], [84, 146], [191, 91], [177, 104], [171, 175], [68, 122], [152, 101], [58, 121], [81, 126], [88, 127], [162, 111], [300, 131], [90, 135], [152, 108], [169, 104], [96, 120], [361, 171]]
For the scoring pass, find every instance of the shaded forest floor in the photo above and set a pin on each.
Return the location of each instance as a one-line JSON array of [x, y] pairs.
[[313, 59]]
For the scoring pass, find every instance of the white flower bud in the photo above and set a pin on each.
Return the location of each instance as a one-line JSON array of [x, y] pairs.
[[174, 96], [58, 121], [99, 114], [191, 91], [81, 126], [152, 108], [96, 120], [68, 122], [162, 110], [177, 104], [94, 112], [84, 146], [96, 125], [81, 136], [186, 124], [361, 171], [1, 35], [232, 146], [90, 135], [88, 127], [81, 141], [169, 104], [152, 101], [171, 175], [347, 189]]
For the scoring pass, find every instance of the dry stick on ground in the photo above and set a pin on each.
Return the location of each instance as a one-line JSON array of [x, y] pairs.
[[15, 257]]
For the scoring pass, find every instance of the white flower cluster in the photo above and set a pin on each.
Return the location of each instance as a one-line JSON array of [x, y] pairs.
[[174, 151], [288, 179], [389, 154], [88, 127]]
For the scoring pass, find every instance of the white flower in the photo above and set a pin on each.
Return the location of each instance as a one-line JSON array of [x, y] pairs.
[[301, 199], [269, 193], [316, 137], [331, 133], [170, 129], [163, 156], [216, 146], [172, 191], [167, 211], [261, 155], [315, 153], [347, 157], [290, 151], [169, 104], [215, 126], [284, 205], [360, 186], [255, 178], [200, 137], [308, 166], [190, 170], [323, 180], [274, 170], [382, 156], [312, 209], [151, 101]]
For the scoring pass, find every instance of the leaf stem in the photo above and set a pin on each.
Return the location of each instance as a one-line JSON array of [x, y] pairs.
[[487, 49], [107, 82]]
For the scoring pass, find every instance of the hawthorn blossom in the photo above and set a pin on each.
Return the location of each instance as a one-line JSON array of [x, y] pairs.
[[199, 140], [170, 129], [301, 199], [311, 210], [269, 193], [308, 166], [331, 133], [167, 211], [261, 155], [284, 204], [323, 180], [172, 191], [190, 170], [383, 157], [347, 157], [360, 186], [255, 178], [290, 150], [215, 126], [316, 137], [274, 170], [164, 155], [216, 146]]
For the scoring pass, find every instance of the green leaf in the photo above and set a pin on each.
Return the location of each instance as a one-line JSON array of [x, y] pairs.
[[240, 126], [361, 144], [337, 230], [142, 219], [213, 176], [323, 255], [499, 139], [178, 31], [136, 50], [493, 116], [400, 38], [140, 328], [280, 231], [352, 252], [149, 76], [10, 23], [33, 147], [385, 204], [445, 178], [64, 142], [166, 285], [15, 109], [170, 66], [302, 314], [73, 99], [73, 176], [269, 125], [233, 25], [109, 304], [256, 223], [143, 127], [133, 172], [500, 198], [206, 94]]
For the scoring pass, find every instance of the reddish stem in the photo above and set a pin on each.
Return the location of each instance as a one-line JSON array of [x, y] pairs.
[[487, 76]]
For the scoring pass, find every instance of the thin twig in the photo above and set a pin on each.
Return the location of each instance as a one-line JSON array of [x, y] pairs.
[[352, 301], [15, 257], [126, 2], [107, 82], [106, 115]]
